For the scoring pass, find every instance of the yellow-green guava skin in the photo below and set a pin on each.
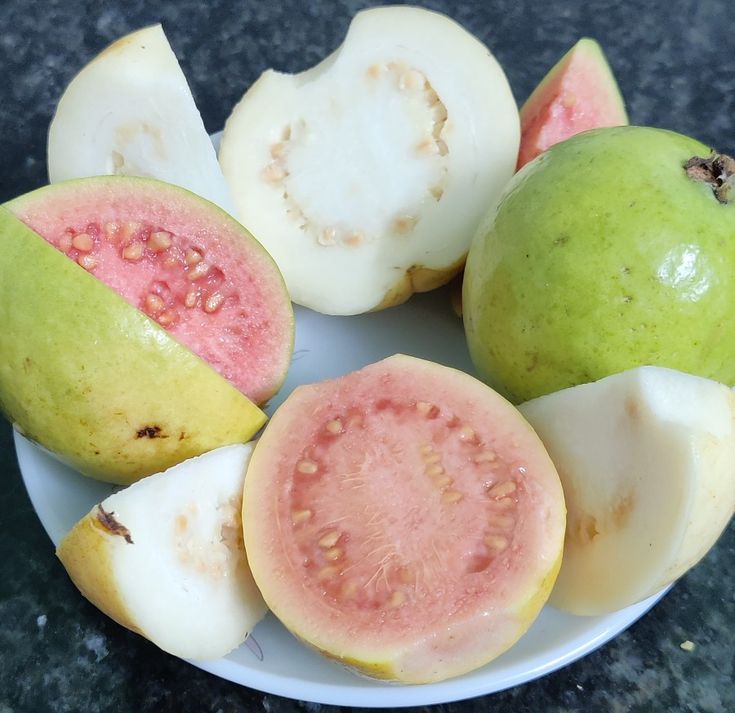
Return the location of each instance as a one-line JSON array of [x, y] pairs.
[[94, 380], [602, 255]]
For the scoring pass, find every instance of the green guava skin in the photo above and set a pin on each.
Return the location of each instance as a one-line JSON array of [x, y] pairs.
[[602, 255], [95, 381]]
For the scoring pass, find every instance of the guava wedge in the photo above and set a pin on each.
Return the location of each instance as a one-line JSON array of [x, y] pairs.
[[647, 462], [165, 557], [579, 93], [404, 520], [130, 111], [181, 260], [366, 176], [89, 375]]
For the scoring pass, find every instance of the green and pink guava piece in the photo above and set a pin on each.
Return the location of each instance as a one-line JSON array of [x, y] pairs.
[[116, 391], [578, 93], [404, 520]]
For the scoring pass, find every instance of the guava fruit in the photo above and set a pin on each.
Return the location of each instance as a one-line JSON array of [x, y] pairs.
[[90, 372], [165, 557], [404, 520], [611, 250], [367, 175], [579, 93], [130, 112], [647, 462]]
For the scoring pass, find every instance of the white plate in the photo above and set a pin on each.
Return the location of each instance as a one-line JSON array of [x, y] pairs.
[[327, 347]]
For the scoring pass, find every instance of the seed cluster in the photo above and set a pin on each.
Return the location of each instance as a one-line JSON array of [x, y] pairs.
[[413, 85], [213, 548], [192, 281], [369, 571]]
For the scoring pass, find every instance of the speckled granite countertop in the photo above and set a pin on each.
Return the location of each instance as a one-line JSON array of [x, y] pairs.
[[675, 62]]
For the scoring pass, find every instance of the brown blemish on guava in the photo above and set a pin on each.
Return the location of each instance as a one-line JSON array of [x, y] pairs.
[[583, 530], [586, 527], [621, 511], [109, 523], [717, 170], [632, 408], [149, 432]]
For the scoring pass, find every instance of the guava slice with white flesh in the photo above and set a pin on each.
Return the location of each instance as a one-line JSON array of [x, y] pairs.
[[647, 461], [366, 176], [165, 557], [403, 519], [130, 111]]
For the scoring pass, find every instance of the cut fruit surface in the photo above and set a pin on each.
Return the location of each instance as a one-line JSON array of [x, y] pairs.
[[130, 111], [579, 93], [366, 176], [403, 519], [180, 260], [165, 557], [94, 380], [647, 461]]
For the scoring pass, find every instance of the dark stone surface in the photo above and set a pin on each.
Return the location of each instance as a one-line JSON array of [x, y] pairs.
[[675, 62]]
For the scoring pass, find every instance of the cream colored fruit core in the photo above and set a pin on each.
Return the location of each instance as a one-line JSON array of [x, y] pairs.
[[210, 547], [135, 146], [348, 183]]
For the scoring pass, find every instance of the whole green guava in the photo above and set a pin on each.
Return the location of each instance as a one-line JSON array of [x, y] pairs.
[[613, 249]]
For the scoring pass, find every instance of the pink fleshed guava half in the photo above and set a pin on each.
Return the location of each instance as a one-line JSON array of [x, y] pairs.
[[403, 519], [183, 261]]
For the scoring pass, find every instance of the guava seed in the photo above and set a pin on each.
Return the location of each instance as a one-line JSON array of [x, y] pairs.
[[133, 251], [329, 539], [87, 261], [82, 242], [159, 241], [502, 489]]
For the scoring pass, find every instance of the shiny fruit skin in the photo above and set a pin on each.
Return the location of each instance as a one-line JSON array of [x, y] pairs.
[[602, 255]]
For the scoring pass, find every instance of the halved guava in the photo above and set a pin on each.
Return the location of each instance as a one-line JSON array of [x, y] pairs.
[[647, 462], [403, 519], [165, 557], [102, 384], [130, 112], [579, 93], [366, 176]]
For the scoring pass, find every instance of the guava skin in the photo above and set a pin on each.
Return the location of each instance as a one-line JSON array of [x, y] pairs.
[[602, 255], [95, 381]]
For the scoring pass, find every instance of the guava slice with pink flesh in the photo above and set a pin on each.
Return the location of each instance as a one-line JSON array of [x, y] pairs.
[[579, 93], [181, 260], [94, 380], [403, 519]]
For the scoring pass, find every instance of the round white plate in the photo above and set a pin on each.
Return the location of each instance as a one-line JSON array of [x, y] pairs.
[[273, 661]]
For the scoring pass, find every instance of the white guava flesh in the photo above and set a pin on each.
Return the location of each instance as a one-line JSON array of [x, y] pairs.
[[130, 111], [165, 557], [366, 176], [647, 463]]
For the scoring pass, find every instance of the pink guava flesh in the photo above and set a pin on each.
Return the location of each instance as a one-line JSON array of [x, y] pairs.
[[182, 261], [404, 509], [579, 93]]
